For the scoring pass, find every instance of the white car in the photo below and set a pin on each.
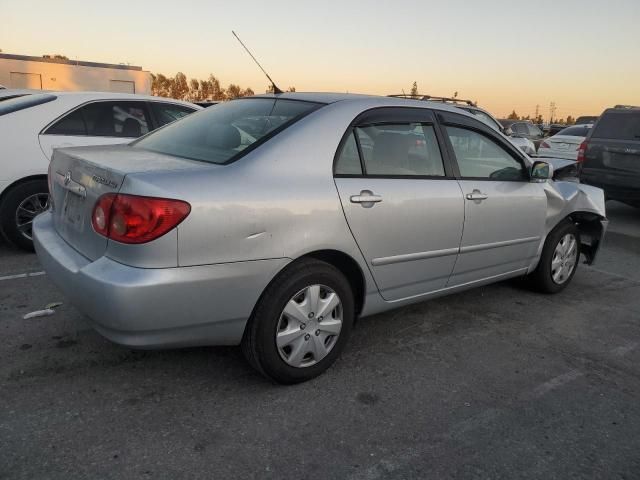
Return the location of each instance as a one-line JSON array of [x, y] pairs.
[[33, 124], [565, 143]]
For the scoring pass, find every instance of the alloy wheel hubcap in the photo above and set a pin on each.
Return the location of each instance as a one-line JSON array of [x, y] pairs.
[[27, 211], [564, 260], [309, 326]]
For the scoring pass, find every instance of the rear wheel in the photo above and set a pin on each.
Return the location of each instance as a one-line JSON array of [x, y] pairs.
[[19, 207], [559, 259], [301, 322]]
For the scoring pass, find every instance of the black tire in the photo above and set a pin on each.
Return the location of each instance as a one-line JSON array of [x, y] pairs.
[[541, 279], [12, 199], [259, 340]]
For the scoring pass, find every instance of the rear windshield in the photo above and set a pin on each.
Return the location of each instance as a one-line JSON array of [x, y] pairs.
[[580, 131], [26, 101], [222, 133], [618, 126]]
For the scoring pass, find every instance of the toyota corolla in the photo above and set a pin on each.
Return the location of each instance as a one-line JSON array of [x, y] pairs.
[[274, 221]]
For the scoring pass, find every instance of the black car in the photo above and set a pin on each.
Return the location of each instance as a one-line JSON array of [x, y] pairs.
[[524, 128], [555, 128], [586, 119], [610, 155]]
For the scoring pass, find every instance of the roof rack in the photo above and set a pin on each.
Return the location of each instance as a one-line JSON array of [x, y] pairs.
[[627, 107], [431, 98]]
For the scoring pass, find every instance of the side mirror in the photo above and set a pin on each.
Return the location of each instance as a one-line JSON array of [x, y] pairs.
[[541, 172], [508, 132]]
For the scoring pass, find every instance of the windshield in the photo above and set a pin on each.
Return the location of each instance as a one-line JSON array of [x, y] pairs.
[[20, 103], [222, 133], [580, 131], [486, 119]]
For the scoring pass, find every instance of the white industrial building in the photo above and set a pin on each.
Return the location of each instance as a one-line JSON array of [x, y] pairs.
[[21, 71]]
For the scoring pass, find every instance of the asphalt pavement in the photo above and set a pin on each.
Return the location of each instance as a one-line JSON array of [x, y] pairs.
[[497, 382]]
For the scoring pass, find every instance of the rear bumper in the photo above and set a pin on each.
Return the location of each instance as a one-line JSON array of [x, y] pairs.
[[155, 307]]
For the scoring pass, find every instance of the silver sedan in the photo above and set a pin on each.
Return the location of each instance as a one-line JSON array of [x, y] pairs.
[[274, 221]]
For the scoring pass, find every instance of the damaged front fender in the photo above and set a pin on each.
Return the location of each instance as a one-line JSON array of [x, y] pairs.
[[582, 204]]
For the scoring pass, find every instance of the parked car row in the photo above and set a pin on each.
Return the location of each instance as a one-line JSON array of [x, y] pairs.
[[33, 124]]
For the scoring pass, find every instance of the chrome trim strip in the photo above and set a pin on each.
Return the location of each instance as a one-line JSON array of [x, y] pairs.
[[376, 262], [506, 243], [409, 257]]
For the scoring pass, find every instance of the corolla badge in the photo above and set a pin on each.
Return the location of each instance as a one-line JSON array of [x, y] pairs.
[[104, 181]]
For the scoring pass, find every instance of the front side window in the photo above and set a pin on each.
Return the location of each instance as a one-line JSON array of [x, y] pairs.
[[166, 112], [116, 119], [486, 119], [482, 158], [221, 133], [400, 149]]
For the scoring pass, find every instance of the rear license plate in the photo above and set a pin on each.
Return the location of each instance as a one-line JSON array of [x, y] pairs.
[[73, 210]]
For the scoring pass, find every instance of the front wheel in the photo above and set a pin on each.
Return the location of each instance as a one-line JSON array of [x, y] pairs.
[[559, 259], [301, 322], [19, 207]]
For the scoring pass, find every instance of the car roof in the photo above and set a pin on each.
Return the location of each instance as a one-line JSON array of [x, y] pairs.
[[367, 101], [114, 95]]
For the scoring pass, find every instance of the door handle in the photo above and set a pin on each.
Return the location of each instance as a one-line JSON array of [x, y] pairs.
[[477, 195], [366, 198]]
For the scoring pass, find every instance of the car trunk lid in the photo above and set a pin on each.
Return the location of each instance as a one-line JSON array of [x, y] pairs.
[[79, 176], [567, 143]]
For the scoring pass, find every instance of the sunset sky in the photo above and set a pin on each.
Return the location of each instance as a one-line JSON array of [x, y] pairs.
[[584, 55]]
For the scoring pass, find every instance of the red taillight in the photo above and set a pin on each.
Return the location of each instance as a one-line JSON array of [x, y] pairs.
[[135, 219], [545, 145], [582, 149]]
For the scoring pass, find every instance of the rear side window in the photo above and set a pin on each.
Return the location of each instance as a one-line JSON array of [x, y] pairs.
[[71, 124], [27, 101], [104, 119], [400, 149], [166, 112], [221, 133], [618, 126], [481, 158], [348, 162], [116, 119]]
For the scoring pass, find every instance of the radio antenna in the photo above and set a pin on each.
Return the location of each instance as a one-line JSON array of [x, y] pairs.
[[273, 84]]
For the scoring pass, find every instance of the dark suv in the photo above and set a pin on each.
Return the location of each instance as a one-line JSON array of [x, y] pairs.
[[610, 155]]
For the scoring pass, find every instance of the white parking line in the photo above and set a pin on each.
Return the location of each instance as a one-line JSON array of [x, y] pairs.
[[556, 382], [22, 275]]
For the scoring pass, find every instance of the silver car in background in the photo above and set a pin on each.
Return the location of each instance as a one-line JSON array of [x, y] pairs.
[[274, 221]]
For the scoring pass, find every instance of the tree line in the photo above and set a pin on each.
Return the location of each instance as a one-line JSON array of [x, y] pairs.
[[194, 90], [561, 121]]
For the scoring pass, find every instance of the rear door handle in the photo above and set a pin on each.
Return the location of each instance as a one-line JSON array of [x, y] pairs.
[[366, 198], [477, 195]]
